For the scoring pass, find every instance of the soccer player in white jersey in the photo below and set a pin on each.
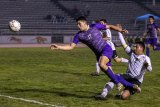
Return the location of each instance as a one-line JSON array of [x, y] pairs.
[[137, 65], [108, 37]]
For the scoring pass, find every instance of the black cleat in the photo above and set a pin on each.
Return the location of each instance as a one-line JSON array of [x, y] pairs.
[[118, 96], [95, 74], [100, 97]]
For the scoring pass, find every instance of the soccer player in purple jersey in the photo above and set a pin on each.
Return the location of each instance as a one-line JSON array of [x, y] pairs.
[[91, 36], [152, 31], [107, 36]]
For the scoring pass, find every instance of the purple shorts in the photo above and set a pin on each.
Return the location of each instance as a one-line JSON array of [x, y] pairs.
[[152, 41], [108, 52]]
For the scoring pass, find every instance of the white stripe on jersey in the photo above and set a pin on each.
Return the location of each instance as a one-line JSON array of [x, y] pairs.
[[110, 43], [109, 35]]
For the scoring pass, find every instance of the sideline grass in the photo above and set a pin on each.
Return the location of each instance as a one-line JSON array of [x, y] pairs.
[[63, 78]]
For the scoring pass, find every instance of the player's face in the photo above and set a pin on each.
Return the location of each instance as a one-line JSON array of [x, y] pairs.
[[138, 49], [82, 25], [151, 20]]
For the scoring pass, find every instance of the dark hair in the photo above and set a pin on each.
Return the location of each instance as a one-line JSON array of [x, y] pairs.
[[104, 20], [151, 17], [141, 44], [82, 18], [96, 21]]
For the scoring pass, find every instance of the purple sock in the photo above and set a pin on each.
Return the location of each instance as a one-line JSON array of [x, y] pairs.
[[147, 51], [157, 49], [124, 82], [111, 75]]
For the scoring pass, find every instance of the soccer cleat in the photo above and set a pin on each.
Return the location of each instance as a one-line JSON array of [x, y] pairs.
[[137, 88], [95, 74], [100, 97], [119, 86], [118, 96]]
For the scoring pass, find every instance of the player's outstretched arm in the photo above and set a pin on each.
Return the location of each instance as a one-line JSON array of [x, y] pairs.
[[124, 44], [144, 34], [64, 47], [116, 28]]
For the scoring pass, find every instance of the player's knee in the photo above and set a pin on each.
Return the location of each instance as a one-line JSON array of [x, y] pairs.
[[148, 46], [124, 97], [117, 60], [103, 66]]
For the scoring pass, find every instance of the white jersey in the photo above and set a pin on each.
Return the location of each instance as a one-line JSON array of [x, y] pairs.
[[136, 67], [109, 35]]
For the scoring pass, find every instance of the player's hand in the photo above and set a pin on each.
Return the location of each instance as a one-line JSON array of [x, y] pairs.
[[144, 35], [124, 31], [54, 46], [145, 64]]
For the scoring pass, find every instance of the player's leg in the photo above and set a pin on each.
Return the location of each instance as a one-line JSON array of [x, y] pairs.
[[97, 68], [148, 46], [97, 72], [104, 65], [117, 59], [125, 94], [154, 43], [105, 61], [124, 60], [132, 85], [107, 88], [148, 50], [115, 56]]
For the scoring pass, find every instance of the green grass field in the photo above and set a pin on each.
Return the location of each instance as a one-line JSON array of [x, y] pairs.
[[63, 78]]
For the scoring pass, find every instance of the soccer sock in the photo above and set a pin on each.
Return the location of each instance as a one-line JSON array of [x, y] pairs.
[[111, 75], [124, 82], [147, 51], [97, 68], [108, 87], [124, 60], [157, 48]]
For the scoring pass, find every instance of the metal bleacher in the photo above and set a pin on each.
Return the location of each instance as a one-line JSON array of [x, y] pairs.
[[32, 15], [122, 12]]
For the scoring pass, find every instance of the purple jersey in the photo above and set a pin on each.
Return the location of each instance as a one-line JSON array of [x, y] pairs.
[[152, 30], [92, 38]]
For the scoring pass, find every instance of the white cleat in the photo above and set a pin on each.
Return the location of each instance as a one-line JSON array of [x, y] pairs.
[[119, 86], [137, 88]]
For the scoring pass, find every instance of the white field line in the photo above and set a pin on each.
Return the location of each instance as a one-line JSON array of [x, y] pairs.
[[30, 101]]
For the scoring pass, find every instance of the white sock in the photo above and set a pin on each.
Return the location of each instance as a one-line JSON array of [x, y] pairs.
[[124, 60], [108, 87], [97, 68]]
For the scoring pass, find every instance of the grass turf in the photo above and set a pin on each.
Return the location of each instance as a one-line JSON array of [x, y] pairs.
[[63, 78]]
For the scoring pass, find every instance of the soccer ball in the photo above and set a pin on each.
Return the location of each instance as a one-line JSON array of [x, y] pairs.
[[14, 25]]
